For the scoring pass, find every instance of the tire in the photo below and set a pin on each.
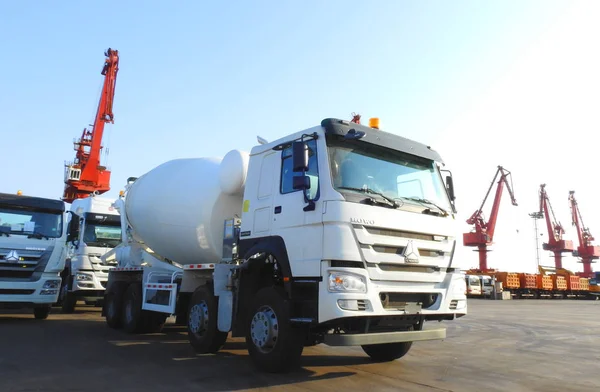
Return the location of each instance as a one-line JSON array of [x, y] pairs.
[[68, 300], [41, 312], [132, 316], [113, 305], [388, 351], [203, 334], [273, 344]]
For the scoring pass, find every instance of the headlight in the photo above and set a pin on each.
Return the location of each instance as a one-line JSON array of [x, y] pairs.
[[344, 282], [83, 277], [51, 284]]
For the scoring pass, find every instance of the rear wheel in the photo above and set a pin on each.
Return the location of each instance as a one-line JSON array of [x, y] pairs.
[[274, 345], [41, 312], [113, 305], [203, 334], [132, 309]]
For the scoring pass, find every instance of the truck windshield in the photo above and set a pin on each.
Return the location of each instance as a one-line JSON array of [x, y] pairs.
[[30, 222], [357, 165], [105, 236]]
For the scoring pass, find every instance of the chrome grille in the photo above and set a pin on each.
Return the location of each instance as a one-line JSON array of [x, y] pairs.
[[24, 268]]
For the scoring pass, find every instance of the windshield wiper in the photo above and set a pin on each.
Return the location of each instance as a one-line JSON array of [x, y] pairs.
[[425, 201], [38, 236], [393, 203]]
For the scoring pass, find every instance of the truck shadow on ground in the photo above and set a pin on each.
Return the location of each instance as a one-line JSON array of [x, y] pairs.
[[214, 371], [163, 360]]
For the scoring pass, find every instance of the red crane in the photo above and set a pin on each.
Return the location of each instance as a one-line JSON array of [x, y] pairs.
[[556, 244], [85, 175], [483, 234], [588, 252]]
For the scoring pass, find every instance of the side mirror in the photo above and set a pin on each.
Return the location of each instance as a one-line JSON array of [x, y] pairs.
[[301, 182], [73, 229], [300, 156], [450, 187]]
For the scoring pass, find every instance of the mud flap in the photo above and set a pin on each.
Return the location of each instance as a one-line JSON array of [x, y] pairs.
[[225, 310], [160, 298]]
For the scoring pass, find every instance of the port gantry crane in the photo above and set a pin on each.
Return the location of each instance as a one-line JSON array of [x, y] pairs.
[[588, 252], [483, 233], [556, 244], [85, 175]]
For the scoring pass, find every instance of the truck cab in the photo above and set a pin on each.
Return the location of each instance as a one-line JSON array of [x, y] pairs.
[[32, 252], [94, 228], [487, 285], [474, 286], [359, 227]]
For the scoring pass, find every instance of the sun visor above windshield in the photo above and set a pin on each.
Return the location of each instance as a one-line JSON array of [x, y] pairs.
[[8, 200], [92, 217], [335, 126]]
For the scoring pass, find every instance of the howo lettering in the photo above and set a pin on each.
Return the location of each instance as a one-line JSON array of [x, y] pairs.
[[299, 242]]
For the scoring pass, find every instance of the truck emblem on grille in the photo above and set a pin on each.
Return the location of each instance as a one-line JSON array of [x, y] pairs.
[[12, 256], [411, 253], [362, 221]]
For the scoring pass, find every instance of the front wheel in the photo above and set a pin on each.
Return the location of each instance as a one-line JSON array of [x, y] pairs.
[[69, 300], [388, 351], [273, 344], [41, 312]]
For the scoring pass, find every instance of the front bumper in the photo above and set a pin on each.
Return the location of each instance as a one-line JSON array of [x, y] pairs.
[[43, 291], [384, 337], [450, 301], [93, 284]]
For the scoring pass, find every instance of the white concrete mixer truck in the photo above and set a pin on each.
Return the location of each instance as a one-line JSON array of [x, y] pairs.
[[94, 228], [32, 252], [341, 234]]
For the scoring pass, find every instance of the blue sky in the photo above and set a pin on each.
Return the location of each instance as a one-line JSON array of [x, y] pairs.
[[200, 79]]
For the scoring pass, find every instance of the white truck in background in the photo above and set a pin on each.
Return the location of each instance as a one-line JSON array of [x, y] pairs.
[[94, 228], [32, 252], [339, 234]]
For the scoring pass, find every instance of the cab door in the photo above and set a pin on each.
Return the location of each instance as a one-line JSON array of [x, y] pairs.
[[302, 231]]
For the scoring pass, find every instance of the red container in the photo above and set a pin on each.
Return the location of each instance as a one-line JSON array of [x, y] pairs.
[[559, 282], [528, 281], [544, 282], [584, 284], [510, 280], [573, 283]]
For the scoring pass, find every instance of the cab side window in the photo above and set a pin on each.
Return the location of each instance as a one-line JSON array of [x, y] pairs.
[[287, 173]]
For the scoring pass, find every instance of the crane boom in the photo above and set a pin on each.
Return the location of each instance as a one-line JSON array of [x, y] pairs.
[[556, 244], [483, 233], [588, 252], [85, 175]]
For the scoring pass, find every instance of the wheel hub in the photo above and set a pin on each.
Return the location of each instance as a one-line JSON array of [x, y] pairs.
[[198, 321], [264, 329]]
